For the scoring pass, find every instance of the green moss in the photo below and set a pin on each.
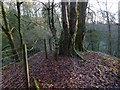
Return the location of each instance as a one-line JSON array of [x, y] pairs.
[[118, 75], [36, 85]]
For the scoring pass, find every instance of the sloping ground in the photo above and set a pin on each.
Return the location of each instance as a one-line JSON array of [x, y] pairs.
[[98, 71]]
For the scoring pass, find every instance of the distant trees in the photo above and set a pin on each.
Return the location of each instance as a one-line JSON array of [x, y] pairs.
[[92, 40], [50, 17], [109, 30], [108, 19]]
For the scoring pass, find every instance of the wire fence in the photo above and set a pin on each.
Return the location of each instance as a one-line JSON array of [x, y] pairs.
[[45, 45]]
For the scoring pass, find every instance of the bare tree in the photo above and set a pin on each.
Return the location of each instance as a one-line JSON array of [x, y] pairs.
[[106, 15], [109, 30], [8, 33]]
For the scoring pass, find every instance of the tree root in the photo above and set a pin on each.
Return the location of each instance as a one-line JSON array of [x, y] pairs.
[[84, 49], [77, 53]]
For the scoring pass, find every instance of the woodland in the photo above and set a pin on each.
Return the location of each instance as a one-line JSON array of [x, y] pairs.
[[65, 44]]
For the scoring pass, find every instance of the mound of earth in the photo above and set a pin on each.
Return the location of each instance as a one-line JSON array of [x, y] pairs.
[[99, 71]]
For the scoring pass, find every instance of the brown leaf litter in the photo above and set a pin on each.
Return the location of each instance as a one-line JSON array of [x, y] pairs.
[[99, 71]]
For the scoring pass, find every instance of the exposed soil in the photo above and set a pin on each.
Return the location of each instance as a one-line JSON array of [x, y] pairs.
[[99, 71]]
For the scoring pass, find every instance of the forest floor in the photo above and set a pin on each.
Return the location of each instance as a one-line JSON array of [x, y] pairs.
[[99, 70]]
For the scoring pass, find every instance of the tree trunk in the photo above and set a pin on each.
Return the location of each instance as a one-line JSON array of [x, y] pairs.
[[109, 30], [81, 25], [73, 25], [70, 27], [19, 29], [119, 30], [54, 32], [8, 33], [26, 67], [64, 39], [51, 24], [67, 40], [109, 35], [19, 16]]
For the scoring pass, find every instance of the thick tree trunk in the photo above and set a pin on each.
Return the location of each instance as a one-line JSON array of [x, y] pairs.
[[54, 32], [81, 25], [70, 27], [73, 25], [64, 39], [67, 41]]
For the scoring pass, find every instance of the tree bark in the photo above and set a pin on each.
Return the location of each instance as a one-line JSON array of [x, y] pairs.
[[73, 25], [19, 16], [69, 22], [81, 25], [70, 27], [65, 36]]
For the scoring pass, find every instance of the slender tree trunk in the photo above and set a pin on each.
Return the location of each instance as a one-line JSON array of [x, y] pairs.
[[50, 45], [19, 29], [19, 16], [8, 33], [81, 25], [45, 46], [119, 30], [26, 67], [109, 31], [109, 35], [91, 40], [52, 26]]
